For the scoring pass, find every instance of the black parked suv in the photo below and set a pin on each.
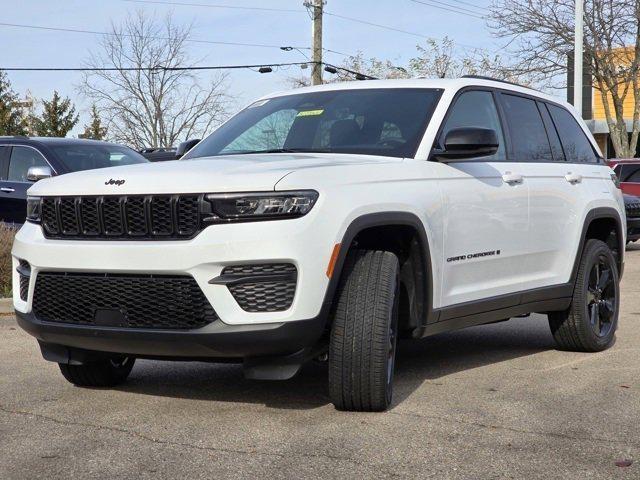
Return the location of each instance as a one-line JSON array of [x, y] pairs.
[[26, 160], [632, 208]]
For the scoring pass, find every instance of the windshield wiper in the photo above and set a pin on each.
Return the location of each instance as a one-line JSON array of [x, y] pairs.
[[276, 150], [283, 150]]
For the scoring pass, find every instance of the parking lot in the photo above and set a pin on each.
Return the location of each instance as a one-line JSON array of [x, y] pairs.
[[488, 402]]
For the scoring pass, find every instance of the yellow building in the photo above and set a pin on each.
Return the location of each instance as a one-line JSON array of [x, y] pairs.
[[597, 118]]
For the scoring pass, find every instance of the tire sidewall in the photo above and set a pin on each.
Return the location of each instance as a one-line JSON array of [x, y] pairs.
[[592, 255]]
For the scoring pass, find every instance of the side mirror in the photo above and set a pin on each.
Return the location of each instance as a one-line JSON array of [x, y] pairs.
[[38, 173], [184, 147], [469, 143]]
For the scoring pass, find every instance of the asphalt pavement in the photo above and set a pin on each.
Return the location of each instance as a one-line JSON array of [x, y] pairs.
[[488, 402]]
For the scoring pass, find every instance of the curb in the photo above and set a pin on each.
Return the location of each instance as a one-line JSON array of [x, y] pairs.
[[6, 306]]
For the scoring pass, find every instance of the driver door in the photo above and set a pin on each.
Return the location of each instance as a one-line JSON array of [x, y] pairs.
[[485, 211]]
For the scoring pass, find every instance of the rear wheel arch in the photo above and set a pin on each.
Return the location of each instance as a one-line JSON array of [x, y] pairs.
[[605, 224]]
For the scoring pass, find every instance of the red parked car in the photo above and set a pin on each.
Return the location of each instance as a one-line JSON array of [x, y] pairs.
[[628, 172]]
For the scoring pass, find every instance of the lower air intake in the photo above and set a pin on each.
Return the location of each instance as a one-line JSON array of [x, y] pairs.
[[133, 301]]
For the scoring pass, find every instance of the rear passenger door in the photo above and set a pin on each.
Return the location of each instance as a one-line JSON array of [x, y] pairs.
[[557, 185]]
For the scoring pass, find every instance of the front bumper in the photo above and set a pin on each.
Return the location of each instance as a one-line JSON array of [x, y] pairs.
[[299, 242], [217, 340]]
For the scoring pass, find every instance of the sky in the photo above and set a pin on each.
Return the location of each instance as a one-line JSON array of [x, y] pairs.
[[27, 47]]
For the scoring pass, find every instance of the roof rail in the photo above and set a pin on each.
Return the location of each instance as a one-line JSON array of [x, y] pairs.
[[483, 77]]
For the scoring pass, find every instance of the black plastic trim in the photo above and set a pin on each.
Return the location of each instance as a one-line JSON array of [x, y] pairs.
[[218, 340], [482, 318], [596, 214], [504, 302]]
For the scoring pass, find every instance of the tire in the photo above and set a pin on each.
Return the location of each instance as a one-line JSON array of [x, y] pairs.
[[590, 323], [102, 373], [364, 333]]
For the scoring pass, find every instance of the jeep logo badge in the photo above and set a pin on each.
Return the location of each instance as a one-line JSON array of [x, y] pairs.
[[114, 182]]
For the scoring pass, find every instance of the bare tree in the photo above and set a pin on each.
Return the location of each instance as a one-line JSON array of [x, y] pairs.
[[152, 104], [440, 59], [541, 35], [434, 59]]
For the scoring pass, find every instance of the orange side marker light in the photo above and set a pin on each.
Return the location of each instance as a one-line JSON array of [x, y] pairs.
[[333, 260]]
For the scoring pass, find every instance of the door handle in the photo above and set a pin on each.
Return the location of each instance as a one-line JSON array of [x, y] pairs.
[[7, 189], [573, 178], [512, 178]]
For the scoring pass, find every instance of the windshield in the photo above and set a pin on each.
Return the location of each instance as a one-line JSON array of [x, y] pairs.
[[382, 121], [89, 157]]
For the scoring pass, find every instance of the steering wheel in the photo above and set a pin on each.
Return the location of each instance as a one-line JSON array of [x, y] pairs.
[[390, 142]]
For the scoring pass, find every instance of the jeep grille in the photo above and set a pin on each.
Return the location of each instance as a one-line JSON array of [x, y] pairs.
[[172, 217]]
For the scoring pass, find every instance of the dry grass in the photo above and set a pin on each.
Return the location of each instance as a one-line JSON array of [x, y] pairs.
[[6, 241]]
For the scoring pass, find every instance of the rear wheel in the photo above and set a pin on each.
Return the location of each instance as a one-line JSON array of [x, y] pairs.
[[589, 325], [364, 334], [102, 373]]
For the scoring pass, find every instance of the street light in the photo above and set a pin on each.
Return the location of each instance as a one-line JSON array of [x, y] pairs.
[[577, 57]]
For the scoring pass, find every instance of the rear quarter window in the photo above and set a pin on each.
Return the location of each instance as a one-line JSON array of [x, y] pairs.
[[576, 145]]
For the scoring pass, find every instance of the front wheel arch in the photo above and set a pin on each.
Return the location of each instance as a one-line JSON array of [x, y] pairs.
[[376, 223]]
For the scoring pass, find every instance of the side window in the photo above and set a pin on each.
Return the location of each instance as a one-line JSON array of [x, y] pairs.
[[577, 147], [528, 135], [23, 158], [476, 109], [632, 174], [552, 133]]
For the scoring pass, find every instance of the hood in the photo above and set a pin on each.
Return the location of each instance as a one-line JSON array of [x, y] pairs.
[[232, 173]]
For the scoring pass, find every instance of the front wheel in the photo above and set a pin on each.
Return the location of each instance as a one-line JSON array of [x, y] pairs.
[[590, 323], [102, 373], [363, 341]]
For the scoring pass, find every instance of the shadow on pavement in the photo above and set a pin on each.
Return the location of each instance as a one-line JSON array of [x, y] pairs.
[[418, 361]]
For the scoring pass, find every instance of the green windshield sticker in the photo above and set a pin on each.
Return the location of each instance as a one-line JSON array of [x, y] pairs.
[[310, 113]]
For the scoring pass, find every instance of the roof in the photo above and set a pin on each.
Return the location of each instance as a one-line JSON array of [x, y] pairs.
[[57, 141], [617, 161], [439, 83]]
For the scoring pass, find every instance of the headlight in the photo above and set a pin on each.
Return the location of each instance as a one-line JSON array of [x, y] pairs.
[[247, 207], [34, 209]]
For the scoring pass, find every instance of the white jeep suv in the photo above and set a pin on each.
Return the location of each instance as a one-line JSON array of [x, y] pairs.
[[327, 222]]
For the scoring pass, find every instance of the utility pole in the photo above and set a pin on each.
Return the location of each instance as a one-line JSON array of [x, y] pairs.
[[577, 56], [316, 7]]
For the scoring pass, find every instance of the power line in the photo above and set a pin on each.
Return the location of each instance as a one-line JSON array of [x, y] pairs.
[[158, 68], [470, 4], [365, 22], [267, 9], [192, 40], [289, 10], [394, 29], [457, 5], [263, 68], [450, 8]]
